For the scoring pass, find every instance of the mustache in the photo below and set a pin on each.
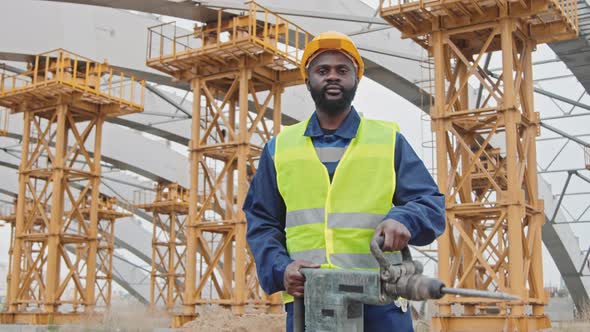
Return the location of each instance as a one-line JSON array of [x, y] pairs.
[[332, 106]]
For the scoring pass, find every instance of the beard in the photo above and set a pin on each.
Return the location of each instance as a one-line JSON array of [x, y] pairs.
[[333, 106]]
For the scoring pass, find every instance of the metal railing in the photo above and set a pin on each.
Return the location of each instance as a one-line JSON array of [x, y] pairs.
[[385, 4], [569, 11], [568, 8], [7, 211], [142, 198], [119, 205], [79, 72], [170, 193], [113, 204], [260, 26], [108, 204]]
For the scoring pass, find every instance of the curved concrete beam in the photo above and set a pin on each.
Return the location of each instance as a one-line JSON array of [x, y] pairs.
[[121, 30], [186, 9], [562, 244], [78, 20]]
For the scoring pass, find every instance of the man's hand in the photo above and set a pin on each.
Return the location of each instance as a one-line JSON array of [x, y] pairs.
[[395, 233], [293, 279]]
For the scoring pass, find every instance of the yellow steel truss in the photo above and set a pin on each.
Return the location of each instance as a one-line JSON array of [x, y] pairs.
[[228, 61], [169, 206], [486, 154], [64, 99], [109, 210]]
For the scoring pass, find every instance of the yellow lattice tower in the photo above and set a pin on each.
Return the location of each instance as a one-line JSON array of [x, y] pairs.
[[169, 207], [109, 210], [64, 99], [227, 61], [494, 214]]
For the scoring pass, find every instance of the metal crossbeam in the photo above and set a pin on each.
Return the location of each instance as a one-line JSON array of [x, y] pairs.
[[564, 134], [558, 205], [167, 99]]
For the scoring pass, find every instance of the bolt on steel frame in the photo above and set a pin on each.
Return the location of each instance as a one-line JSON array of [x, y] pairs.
[[227, 61], [494, 214], [169, 206], [64, 99]]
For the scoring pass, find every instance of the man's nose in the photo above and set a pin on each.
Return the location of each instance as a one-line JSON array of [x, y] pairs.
[[332, 76]]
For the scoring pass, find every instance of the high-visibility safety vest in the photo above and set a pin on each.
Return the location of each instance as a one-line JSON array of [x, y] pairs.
[[332, 223]]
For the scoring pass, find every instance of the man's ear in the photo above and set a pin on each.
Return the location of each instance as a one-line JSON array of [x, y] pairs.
[[307, 84]]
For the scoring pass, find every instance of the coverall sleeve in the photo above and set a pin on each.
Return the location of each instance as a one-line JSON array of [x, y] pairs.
[[418, 204], [265, 214]]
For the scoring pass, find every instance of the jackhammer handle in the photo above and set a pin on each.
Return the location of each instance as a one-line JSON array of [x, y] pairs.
[[298, 315], [376, 245]]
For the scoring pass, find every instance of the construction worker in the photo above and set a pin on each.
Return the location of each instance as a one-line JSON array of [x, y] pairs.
[[326, 185]]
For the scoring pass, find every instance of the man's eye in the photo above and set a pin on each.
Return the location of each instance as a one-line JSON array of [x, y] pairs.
[[322, 71]]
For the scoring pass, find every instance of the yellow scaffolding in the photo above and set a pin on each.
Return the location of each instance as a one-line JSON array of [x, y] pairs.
[[60, 72], [62, 96], [169, 206], [226, 61], [109, 210], [494, 215]]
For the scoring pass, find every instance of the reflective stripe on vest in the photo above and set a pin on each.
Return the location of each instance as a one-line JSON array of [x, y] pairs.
[[332, 223], [330, 154]]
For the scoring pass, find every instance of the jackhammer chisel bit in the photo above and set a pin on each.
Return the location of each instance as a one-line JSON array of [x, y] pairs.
[[406, 279]]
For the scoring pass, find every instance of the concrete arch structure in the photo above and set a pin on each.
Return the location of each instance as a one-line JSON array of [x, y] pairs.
[[120, 36]]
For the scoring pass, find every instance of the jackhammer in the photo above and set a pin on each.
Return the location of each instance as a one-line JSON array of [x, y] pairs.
[[333, 298]]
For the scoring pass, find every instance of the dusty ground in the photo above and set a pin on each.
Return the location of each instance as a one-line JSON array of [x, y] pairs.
[[123, 317], [216, 319], [135, 318]]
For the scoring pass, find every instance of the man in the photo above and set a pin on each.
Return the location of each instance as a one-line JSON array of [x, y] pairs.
[[325, 186]]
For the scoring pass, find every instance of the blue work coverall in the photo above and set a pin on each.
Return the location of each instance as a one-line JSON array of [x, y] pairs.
[[417, 204]]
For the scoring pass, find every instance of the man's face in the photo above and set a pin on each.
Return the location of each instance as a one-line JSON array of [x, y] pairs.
[[332, 81]]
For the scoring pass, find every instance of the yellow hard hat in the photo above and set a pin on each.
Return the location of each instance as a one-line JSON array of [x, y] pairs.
[[336, 41]]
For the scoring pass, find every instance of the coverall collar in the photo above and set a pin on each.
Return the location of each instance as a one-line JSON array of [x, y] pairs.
[[347, 129]]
